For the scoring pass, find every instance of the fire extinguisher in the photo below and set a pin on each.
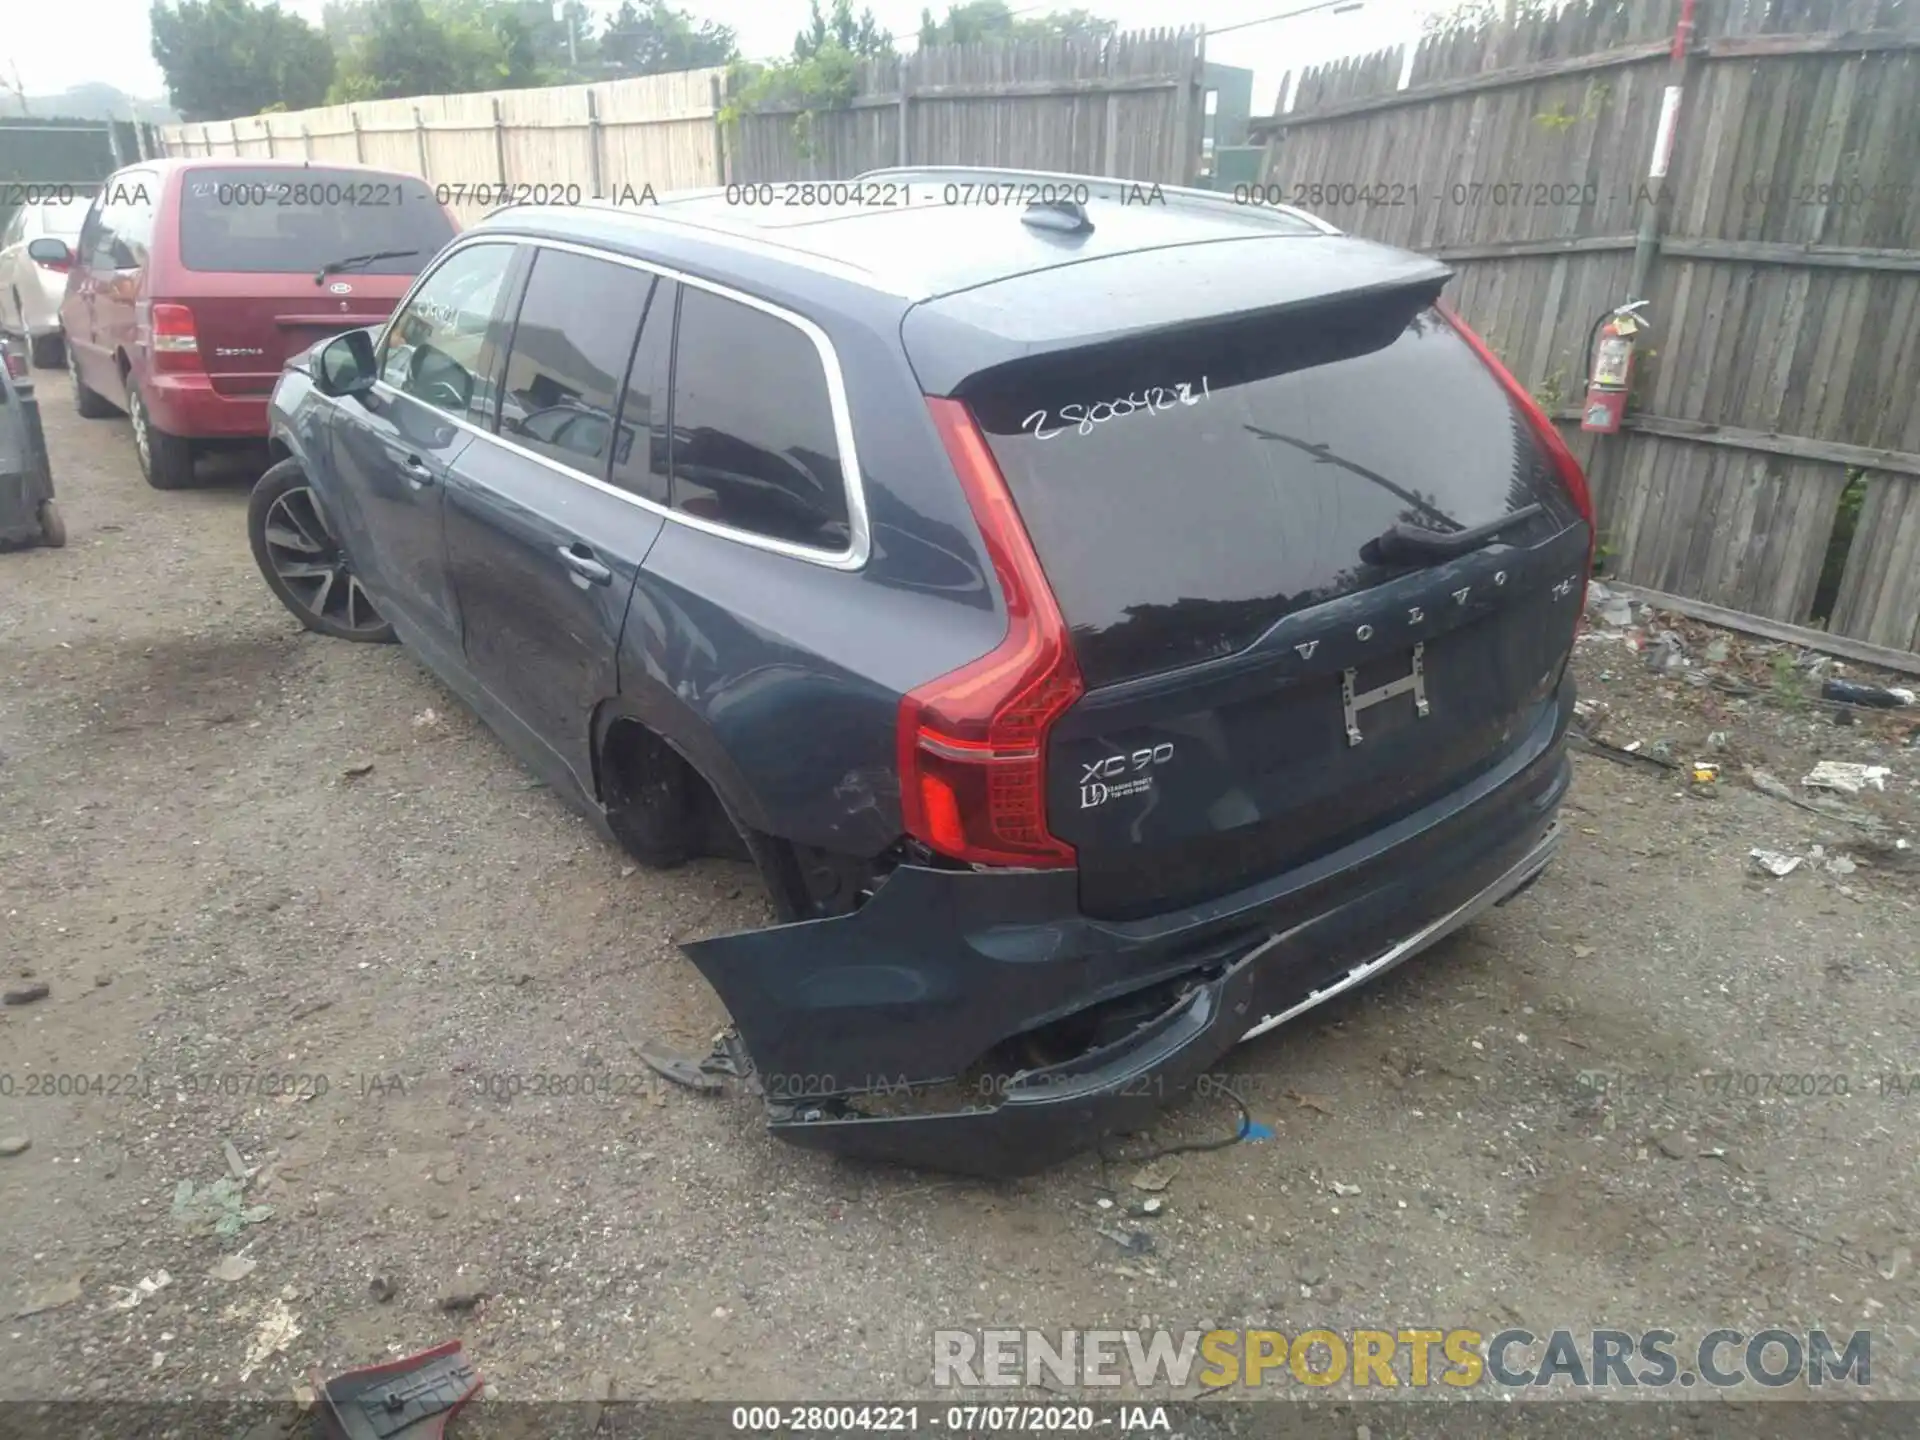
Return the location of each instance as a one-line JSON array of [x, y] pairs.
[[1610, 349]]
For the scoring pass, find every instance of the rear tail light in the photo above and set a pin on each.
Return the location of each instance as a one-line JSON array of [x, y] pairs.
[[1561, 458], [56, 267], [973, 743], [16, 360], [176, 346]]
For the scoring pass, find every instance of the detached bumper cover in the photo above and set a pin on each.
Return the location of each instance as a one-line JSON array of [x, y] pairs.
[[941, 966]]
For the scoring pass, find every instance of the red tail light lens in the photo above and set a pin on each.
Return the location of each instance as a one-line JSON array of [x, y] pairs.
[[1568, 468], [16, 362], [973, 743], [176, 346], [56, 267]]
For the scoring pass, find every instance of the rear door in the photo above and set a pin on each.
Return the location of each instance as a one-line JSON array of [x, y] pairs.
[[547, 525], [1269, 679], [252, 243]]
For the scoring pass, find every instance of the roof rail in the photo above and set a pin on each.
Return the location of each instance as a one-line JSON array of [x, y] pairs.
[[1105, 187]]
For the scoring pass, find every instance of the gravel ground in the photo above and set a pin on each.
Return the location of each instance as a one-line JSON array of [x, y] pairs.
[[234, 851]]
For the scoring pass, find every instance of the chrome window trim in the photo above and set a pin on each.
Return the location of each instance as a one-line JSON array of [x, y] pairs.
[[860, 541]]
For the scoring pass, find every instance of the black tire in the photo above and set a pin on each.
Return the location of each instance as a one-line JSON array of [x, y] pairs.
[[304, 564], [91, 404], [53, 526], [47, 352], [166, 460]]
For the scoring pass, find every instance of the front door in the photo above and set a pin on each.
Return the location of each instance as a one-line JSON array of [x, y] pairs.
[[545, 527], [394, 447]]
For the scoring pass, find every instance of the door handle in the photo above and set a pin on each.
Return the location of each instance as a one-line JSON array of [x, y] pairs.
[[417, 471], [577, 558]]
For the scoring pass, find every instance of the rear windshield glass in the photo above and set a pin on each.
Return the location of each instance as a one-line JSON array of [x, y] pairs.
[[294, 221], [1182, 499]]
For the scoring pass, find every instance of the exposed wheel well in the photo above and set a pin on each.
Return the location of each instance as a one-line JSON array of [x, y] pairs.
[[658, 805], [278, 450]]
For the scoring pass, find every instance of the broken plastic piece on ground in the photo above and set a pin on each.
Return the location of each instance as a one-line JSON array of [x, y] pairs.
[[410, 1399], [1254, 1130], [1774, 862], [1846, 775], [1880, 697], [679, 1069]]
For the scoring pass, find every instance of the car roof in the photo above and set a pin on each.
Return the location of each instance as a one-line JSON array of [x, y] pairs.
[[911, 241]]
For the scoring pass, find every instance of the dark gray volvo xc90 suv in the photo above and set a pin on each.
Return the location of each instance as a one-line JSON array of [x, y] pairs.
[[1113, 623]]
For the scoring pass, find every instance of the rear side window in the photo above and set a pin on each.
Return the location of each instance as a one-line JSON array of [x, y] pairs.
[[568, 362], [753, 436], [295, 220], [1182, 499]]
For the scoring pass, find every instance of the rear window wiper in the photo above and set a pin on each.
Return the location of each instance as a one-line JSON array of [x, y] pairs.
[[1410, 544], [354, 262]]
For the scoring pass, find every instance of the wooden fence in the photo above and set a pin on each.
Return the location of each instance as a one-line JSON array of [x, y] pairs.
[[610, 140], [1130, 106], [1781, 256]]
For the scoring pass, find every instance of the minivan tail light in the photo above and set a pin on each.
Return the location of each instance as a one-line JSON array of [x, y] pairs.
[[1572, 477], [973, 743], [55, 267], [176, 345]]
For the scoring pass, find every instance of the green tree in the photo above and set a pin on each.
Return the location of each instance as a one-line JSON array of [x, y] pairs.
[[840, 30], [653, 38], [973, 21], [226, 58], [450, 48]]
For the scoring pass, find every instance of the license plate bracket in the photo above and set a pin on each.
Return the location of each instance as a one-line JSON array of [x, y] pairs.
[[1353, 701]]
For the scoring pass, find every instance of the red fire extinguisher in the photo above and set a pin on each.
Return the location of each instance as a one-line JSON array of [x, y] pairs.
[[1610, 349]]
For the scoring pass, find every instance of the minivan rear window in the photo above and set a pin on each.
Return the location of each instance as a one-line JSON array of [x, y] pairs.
[[282, 220], [1184, 498]]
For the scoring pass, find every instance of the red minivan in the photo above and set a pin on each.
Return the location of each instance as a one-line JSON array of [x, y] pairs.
[[194, 280]]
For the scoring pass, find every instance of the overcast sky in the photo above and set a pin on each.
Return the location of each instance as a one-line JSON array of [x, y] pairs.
[[52, 53]]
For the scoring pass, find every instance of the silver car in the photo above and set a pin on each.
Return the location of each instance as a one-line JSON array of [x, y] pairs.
[[31, 290]]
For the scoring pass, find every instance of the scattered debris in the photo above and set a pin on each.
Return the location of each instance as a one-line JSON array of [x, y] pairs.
[[381, 1288], [1877, 697], [679, 1069], [1705, 772], [1311, 1102], [277, 1330], [1901, 1259], [1155, 1176], [1675, 1146], [1774, 863], [421, 1393], [1150, 1206], [233, 1268], [26, 994], [149, 1286], [1344, 1190], [426, 718], [1623, 754], [357, 769], [219, 1207], [1845, 775], [52, 1298], [236, 1167], [1256, 1131], [1134, 1242], [1616, 611], [1841, 865], [14, 1145], [455, 1301]]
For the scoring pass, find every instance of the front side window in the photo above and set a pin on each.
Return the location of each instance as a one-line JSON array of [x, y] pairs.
[[568, 364], [753, 442], [432, 350]]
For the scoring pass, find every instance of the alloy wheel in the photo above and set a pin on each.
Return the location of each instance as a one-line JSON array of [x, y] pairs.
[[309, 560], [137, 413]]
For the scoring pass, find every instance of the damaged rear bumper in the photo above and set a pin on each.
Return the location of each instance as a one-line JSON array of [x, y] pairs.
[[942, 968]]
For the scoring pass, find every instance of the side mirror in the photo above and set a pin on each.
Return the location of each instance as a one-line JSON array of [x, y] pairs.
[[344, 365], [48, 250]]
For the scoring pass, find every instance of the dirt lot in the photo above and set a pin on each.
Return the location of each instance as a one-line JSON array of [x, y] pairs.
[[198, 862]]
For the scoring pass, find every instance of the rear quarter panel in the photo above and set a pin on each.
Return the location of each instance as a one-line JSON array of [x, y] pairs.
[[780, 679]]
